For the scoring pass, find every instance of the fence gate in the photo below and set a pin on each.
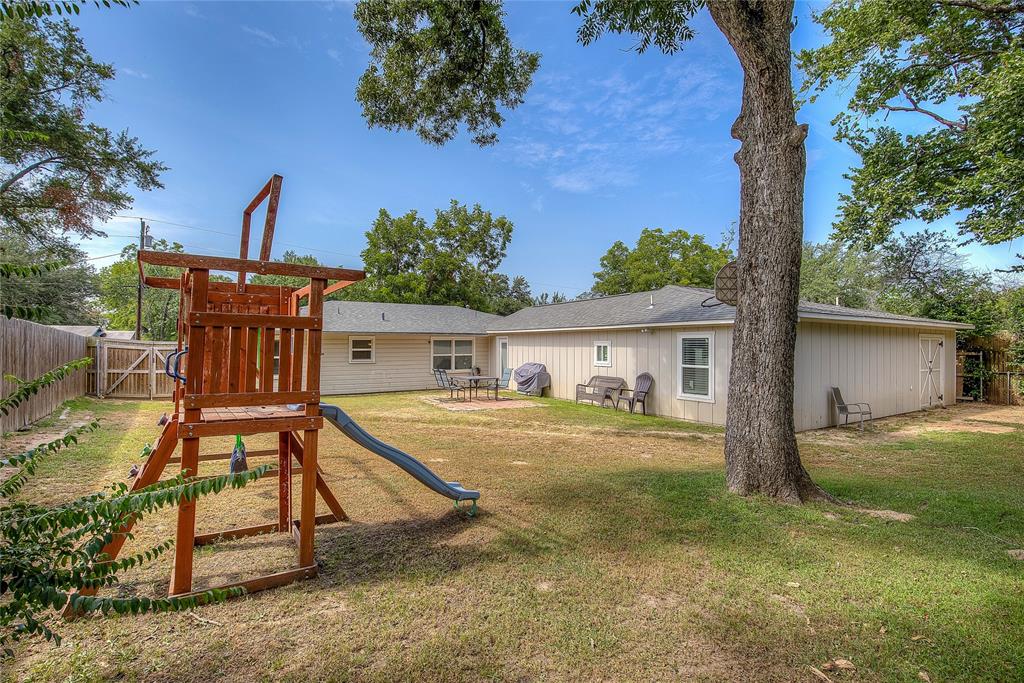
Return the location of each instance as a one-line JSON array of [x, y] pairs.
[[129, 369]]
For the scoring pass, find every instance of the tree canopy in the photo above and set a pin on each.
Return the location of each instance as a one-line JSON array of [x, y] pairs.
[[451, 261], [660, 258], [406, 86], [951, 72], [59, 172], [64, 295], [922, 275]]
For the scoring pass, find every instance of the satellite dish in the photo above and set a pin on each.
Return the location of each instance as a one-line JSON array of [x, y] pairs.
[[727, 284]]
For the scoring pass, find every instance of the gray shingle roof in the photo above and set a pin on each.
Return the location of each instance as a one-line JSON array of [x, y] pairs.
[[672, 304], [84, 330], [668, 305], [365, 317]]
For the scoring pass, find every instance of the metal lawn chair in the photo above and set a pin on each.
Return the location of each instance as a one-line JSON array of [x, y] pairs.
[[845, 410], [445, 382], [506, 376]]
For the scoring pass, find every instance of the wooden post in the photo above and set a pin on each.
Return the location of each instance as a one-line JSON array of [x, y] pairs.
[[284, 482], [181, 577], [307, 524]]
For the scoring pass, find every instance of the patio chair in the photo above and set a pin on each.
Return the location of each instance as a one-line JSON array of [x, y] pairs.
[[445, 382], [506, 376], [845, 410], [638, 394]]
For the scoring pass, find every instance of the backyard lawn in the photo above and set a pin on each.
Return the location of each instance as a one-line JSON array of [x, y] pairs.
[[606, 548]]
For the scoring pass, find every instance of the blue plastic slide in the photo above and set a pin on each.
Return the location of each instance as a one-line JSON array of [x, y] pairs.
[[451, 489]]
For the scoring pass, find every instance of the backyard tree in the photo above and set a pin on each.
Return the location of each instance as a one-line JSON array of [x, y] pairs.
[[834, 270], [64, 295], [952, 73], [436, 64], [660, 258], [451, 261], [59, 172]]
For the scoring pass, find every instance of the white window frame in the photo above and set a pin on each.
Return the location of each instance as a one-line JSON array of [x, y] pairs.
[[373, 349], [472, 363], [682, 395], [602, 363]]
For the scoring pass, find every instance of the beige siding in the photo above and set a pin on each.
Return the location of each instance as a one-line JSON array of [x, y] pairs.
[[401, 363], [879, 365], [569, 358]]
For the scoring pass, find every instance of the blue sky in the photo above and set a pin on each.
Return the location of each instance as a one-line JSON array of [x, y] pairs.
[[609, 142]]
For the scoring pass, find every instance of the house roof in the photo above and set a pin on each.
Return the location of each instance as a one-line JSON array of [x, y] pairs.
[[96, 331], [84, 330], [124, 335], [674, 305], [366, 317]]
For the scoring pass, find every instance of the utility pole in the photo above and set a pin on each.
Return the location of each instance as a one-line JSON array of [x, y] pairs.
[[138, 304]]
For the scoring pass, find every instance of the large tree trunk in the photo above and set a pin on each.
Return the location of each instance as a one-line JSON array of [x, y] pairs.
[[761, 454]]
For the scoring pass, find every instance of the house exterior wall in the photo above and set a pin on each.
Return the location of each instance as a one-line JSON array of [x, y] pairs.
[[876, 364], [569, 359], [402, 362]]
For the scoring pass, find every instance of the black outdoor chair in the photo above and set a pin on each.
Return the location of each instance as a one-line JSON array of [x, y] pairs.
[[445, 382], [638, 394], [845, 410], [506, 376]]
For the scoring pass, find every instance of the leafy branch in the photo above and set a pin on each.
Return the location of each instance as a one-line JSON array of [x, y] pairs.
[[28, 388]]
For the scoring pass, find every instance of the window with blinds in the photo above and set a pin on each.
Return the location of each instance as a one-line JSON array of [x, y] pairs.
[[696, 366]]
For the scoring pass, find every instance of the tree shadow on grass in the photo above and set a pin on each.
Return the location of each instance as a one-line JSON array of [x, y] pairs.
[[848, 567]]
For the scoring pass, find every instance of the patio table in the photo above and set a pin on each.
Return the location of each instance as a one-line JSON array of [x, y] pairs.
[[471, 382]]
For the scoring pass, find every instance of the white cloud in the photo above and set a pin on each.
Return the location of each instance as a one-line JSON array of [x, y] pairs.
[[265, 36], [599, 133], [335, 55], [592, 176], [133, 73], [193, 11]]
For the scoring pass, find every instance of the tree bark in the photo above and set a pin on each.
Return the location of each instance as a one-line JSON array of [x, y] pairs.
[[761, 454]]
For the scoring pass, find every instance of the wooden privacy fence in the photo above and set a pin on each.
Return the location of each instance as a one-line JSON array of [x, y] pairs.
[[999, 382], [129, 369], [27, 350]]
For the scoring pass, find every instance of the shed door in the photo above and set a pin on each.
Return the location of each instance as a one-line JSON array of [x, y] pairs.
[[932, 361]]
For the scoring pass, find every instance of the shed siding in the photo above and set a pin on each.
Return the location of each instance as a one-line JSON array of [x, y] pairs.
[[879, 365], [401, 363]]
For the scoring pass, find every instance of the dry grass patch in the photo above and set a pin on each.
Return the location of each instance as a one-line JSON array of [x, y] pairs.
[[605, 549]]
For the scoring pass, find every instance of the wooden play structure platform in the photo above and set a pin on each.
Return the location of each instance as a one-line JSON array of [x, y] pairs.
[[226, 384]]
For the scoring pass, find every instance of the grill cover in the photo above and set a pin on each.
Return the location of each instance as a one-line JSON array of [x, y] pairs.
[[531, 378]]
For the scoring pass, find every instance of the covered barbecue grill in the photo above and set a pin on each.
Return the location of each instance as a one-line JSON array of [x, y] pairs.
[[531, 379]]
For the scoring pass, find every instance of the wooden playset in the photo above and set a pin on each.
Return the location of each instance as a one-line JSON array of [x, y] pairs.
[[224, 370]]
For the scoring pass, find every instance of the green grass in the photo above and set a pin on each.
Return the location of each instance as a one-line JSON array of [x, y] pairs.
[[606, 547]]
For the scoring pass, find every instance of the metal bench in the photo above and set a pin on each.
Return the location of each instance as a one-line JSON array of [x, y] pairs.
[[600, 389]]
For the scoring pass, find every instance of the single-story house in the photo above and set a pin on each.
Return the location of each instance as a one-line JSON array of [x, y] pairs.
[[370, 347], [681, 335]]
